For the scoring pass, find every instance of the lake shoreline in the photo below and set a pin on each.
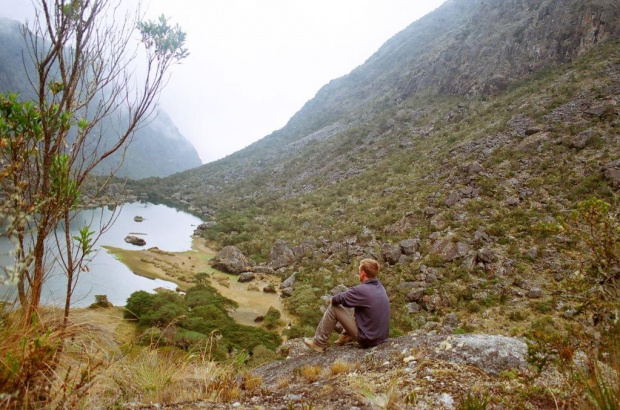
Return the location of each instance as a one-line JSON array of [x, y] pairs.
[[180, 268], [175, 267]]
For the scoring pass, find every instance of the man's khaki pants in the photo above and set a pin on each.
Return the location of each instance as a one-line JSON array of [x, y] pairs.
[[333, 315]]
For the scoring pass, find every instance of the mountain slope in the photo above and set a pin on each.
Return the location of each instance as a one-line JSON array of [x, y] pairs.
[[158, 149], [446, 53], [486, 183]]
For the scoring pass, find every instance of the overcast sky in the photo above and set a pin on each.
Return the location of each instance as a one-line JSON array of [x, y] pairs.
[[254, 63]]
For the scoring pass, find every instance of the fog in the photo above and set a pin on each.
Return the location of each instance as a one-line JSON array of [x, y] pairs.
[[253, 64]]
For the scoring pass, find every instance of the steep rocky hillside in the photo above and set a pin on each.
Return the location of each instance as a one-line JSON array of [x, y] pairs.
[[158, 149], [446, 53]]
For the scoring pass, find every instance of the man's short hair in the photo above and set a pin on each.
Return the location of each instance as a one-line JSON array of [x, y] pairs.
[[370, 267]]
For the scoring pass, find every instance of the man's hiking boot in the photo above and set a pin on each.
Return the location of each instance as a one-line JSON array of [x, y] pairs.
[[343, 340], [308, 341]]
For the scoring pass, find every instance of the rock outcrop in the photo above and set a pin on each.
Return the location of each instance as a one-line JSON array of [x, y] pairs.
[[231, 260], [281, 255]]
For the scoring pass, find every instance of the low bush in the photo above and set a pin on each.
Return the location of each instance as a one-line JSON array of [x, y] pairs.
[[201, 312]]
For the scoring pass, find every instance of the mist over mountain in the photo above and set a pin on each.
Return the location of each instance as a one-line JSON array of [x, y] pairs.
[[158, 148]]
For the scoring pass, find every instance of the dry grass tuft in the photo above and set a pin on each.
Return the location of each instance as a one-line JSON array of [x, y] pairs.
[[45, 364], [251, 382], [310, 373], [341, 366], [167, 377], [283, 383]]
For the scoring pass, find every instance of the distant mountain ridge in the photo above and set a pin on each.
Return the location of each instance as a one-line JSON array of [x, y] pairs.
[[158, 148]]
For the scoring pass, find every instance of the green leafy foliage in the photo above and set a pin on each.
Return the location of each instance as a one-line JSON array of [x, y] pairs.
[[201, 312]]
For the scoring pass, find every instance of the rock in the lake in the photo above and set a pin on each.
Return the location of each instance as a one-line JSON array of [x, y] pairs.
[[135, 240]]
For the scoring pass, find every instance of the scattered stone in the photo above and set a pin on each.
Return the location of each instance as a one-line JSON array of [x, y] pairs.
[[474, 168], [431, 303], [611, 173], [429, 212], [449, 250], [206, 225], [410, 246], [413, 308], [267, 270], [410, 285], [138, 218], [272, 289], [533, 142], [513, 201], [246, 277], [486, 255], [415, 295], [452, 199], [595, 112], [534, 293], [532, 253], [452, 320], [581, 140], [520, 283], [532, 130], [289, 282]]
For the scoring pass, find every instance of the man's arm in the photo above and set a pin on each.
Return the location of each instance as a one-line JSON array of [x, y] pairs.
[[351, 298]]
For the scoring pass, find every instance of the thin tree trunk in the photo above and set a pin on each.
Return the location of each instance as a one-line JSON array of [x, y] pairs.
[[70, 270]]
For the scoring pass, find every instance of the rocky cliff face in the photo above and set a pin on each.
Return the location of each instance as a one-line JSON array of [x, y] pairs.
[[470, 47], [158, 148]]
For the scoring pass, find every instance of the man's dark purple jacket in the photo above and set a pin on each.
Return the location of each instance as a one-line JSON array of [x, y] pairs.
[[372, 311]]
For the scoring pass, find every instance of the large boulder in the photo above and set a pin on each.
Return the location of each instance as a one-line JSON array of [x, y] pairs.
[[391, 253], [289, 282], [230, 259], [281, 255], [410, 246], [490, 353]]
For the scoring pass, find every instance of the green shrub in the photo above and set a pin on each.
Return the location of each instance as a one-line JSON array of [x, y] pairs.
[[138, 304], [272, 318]]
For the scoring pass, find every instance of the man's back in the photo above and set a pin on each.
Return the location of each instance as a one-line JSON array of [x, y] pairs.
[[372, 311]]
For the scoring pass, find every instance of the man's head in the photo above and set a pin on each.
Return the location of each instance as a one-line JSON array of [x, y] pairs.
[[369, 268]]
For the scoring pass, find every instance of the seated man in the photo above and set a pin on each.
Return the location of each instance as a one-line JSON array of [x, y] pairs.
[[368, 322]]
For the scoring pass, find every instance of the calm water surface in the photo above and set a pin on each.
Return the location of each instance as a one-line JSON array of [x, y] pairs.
[[163, 227]]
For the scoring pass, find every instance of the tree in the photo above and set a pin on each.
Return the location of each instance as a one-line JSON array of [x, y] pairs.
[[86, 83]]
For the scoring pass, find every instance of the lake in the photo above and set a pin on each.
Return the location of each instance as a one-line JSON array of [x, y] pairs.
[[164, 227]]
